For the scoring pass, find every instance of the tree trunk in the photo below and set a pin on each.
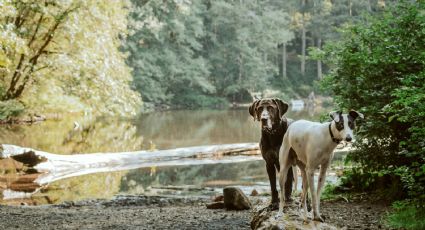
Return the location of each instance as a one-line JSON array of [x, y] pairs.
[[303, 40], [284, 73], [319, 62], [350, 8], [56, 167]]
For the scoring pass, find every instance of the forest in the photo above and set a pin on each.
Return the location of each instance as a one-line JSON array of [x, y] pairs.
[[67, 56], [132, 57]]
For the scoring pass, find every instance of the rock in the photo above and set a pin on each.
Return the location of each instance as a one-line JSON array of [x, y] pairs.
[[29, 158], [254, 193], [215, 205], [235, 199], [219, 198], [265, 218], [259, 217]]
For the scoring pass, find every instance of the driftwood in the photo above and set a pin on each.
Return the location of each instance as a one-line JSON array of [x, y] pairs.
[[56, 167]]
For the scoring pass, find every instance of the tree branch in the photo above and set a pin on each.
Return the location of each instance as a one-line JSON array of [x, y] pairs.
[[36, 30], [12, 93]]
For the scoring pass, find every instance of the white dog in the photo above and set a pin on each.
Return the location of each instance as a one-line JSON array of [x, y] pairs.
[[313, 144]]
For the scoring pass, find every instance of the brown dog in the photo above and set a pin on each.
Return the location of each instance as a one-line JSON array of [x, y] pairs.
[[273, 127]]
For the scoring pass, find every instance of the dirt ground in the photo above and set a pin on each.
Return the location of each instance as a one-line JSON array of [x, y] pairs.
[[141, 212]]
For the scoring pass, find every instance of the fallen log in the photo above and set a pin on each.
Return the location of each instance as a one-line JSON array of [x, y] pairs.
[[56, 167]]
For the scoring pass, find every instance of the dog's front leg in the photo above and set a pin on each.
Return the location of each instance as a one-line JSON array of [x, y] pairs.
[[322, 179], [271, 171], [310, 176]]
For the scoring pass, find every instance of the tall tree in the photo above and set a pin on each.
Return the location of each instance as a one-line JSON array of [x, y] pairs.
[[63, 55]]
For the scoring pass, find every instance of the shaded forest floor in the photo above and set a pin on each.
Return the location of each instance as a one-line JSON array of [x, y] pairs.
[[141, 212]]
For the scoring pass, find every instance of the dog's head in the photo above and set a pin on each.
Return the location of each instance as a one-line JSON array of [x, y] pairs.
[[345, 124], [268, 111]]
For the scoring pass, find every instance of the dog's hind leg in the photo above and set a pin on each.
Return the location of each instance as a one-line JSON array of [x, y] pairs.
[[284, 166], [304, 191], [295, 174]]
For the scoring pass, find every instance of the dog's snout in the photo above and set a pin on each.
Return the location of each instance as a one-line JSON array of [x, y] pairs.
[[265, 116], [348, 138]]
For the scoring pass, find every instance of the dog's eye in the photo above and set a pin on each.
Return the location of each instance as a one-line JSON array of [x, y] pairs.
[[339, 126]]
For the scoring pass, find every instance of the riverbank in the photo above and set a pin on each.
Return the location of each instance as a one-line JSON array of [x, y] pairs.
[[155, 212]]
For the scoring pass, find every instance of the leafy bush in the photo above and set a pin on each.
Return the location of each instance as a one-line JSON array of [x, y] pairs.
[[10, 108], [378, 69]]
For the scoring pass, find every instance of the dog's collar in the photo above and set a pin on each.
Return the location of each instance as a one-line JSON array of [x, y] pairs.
[[336, 140]]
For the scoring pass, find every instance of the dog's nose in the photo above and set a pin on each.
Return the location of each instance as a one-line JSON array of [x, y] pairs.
[[348, 138]]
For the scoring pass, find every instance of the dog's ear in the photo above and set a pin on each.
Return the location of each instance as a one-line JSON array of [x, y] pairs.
[[354, 114], [335, 115], [281, 106], [252, 109]]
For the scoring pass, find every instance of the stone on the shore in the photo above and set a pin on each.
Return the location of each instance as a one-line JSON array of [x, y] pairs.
[[219, 198], [254, 193], [216, 205], [235, 199], [265, 218]]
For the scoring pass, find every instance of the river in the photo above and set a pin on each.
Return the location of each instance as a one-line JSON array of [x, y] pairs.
[[160, 130]]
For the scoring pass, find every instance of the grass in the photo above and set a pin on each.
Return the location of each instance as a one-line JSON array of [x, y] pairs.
[[329, 193], [407, 215]]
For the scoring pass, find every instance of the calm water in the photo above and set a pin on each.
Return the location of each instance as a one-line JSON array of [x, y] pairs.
[[162, 130]]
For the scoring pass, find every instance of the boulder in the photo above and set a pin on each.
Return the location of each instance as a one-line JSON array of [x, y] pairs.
[[235, 199], [219, 198], [216, 205], [264, 218]]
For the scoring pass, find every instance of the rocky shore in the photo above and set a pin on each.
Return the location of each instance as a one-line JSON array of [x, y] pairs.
[[155, 212]]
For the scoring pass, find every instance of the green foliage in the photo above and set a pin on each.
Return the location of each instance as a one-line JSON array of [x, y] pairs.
[[194, 100], [63, 56], [10, 108], [407, 215], [378, 69], [328, 192]]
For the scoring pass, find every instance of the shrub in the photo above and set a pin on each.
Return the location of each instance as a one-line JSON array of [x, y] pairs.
[[378, 69], [10, 108]]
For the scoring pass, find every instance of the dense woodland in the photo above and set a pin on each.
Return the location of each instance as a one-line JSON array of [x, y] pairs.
[[106, 57], [208, 53], [68, 56]]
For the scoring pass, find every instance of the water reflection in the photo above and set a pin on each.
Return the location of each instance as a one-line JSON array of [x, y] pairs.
[[60, 137], [174, 129], [161, 130]]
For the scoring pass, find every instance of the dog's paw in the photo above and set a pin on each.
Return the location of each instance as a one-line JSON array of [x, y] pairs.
[[278, 215], [273, 206], [318, 218]]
